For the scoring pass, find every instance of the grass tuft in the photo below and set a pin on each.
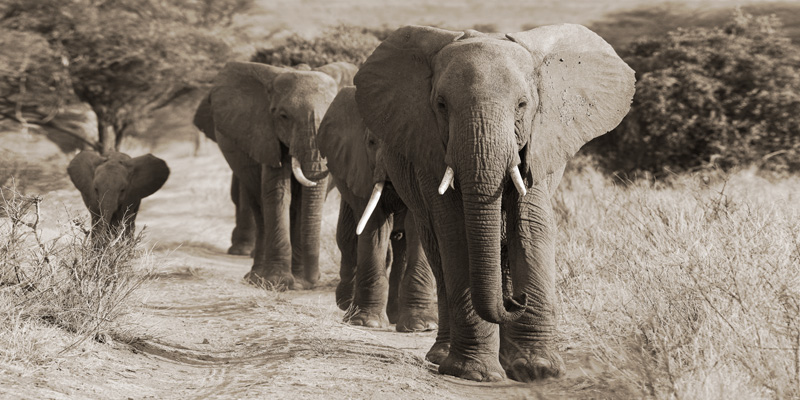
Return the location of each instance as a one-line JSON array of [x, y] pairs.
[[64, 282], [688, 289]]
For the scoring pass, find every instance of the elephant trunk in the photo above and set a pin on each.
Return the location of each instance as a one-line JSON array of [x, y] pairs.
[[485, 149], [108, 207], [307, 163], [313, 198]]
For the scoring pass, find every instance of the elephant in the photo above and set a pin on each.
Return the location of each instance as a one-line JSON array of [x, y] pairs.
[[112, 187], [265, 122], [497, 116], [243, 236], [386, 238]]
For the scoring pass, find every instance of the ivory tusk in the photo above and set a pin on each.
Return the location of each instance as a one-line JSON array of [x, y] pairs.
[[373, 202], [518, 182], [298, 174], [447, 180]]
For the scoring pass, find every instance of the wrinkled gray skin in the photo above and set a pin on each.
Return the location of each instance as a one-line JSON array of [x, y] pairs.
[[487, 106], [113, 186], [389, 238], [243, 237], [265, 117]]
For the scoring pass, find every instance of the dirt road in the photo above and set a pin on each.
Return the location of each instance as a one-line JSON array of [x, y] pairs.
[[199, 331]]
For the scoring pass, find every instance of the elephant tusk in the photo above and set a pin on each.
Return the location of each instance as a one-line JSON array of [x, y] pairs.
[[298, 174], [518, 182], [447, 180], [373, 202]]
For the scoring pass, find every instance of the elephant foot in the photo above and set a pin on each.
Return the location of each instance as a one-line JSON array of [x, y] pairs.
[[367, 318], [538, 364], [271, 281], [485, 369], [301, 283], [344, 295], [417, 320], [438, 352], [241, 249]]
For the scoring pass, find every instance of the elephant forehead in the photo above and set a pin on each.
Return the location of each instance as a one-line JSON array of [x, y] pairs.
[[306, 85], [112, 174], [483, 64]]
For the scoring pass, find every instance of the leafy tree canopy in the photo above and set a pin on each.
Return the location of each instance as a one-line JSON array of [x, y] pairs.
[[722, 96], [124, 58]]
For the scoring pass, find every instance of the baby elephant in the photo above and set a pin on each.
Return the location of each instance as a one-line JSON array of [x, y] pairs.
[[370, 245], [113, 185]]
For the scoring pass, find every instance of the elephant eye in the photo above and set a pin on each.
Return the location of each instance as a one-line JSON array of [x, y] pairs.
[[441, 105], [522, 104]]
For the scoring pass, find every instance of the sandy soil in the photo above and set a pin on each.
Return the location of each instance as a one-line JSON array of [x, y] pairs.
[[199, 331]]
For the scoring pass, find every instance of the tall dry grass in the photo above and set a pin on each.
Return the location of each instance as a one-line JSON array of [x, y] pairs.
[[60, 281], [689, 289]]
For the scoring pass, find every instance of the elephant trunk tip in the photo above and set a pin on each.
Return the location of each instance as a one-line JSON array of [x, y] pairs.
[[511, 310]]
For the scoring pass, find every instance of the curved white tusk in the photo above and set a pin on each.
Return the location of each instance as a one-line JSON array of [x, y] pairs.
[[447, 180], [373, 202], [518, 182], [298, 174]]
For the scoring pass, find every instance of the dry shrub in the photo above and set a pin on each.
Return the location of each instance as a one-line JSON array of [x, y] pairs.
[[689, 290], [65, 281]]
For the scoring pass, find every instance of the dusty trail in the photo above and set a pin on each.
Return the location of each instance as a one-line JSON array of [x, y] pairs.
[[201, 332]]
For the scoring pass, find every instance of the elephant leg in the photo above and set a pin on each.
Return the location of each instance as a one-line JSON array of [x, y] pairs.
[[372, 284], [527, 351], [129, 219], [347, 240], [295, 216], [243, 235], [417, 307], [441, 347], [396, 262], [310, 218], [474, 342], [273, 266]]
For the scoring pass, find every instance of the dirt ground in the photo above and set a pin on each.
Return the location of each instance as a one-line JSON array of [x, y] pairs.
[[199, 331]]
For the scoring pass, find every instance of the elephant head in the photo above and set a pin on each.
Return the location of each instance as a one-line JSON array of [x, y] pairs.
[[490, 110], [267, 110], [113, 185], [352, 151]]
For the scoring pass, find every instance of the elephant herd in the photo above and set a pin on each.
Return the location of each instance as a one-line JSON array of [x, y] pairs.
[[446, 148]]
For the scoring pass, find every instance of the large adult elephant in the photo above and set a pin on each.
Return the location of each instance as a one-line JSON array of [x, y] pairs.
[[384, 236], [498, 116], [112, 187], [265, 122]]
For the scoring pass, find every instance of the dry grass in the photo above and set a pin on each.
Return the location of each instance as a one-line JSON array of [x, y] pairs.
[[689, 289], [59, 283]]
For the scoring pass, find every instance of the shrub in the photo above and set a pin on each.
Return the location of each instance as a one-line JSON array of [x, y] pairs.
[[341, 43], [63, 281], [721, 97]]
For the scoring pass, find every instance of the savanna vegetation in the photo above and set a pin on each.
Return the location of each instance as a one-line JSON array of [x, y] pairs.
[[679, 232]]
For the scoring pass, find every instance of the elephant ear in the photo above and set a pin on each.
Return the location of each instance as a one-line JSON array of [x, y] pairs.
[[149, 174], [584, 88], [240, 100], [393, 94], [342, 72], [342, 141], [81, 172], [204, 119]]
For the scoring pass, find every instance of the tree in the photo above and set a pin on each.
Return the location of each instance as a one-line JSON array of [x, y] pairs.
[[722, 96], [124, 58]]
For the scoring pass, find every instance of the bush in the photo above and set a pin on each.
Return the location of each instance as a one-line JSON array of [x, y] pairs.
[[341, 43], [64, 281], [720, 97]]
